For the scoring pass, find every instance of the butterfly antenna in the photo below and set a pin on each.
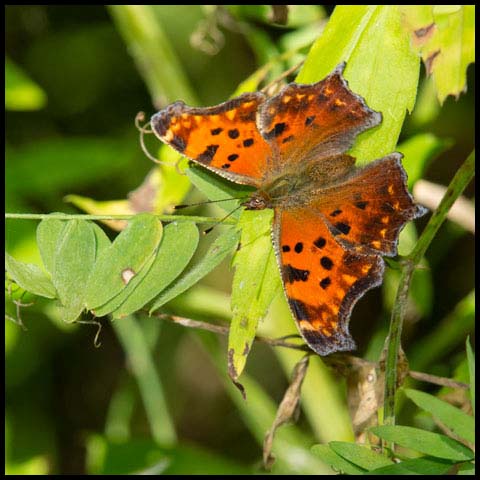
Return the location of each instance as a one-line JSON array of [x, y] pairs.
[[208, 230], [179, 207], [146, 129], [274, 83]]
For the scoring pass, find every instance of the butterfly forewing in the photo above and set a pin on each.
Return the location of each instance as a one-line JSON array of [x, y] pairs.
[[314, 122], [223, 138]]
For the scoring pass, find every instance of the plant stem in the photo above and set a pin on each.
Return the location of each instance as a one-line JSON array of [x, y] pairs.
[[460, 181], [81, 216]]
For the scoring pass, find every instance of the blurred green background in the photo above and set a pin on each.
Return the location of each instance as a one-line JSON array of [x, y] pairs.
[[72, 92]]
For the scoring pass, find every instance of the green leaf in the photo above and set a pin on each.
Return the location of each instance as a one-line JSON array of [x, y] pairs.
[[422, 441], [49, 231], [381, 67], [220, 248], [115, 266], [74, 259], [255, 283], [102, 242], [177, 247], [418, 152], [459, 422], [217, 188], [419, 466], [359, 455], [30, 277], [115, 302], [471, 371], [21, 93], [444, 35], [336, 461]]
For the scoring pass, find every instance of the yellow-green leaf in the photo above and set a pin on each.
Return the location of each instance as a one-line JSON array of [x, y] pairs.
[[444, 36], [255, 283]]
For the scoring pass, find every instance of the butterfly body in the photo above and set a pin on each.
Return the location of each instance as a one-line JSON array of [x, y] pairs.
[[333, 222]]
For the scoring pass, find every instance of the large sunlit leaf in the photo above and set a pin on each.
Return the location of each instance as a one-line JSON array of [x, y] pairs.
[[381, 67]]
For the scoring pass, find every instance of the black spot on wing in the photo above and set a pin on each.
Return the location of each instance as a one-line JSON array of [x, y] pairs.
[[232, 157], [285, 248], [293, 274], [208, 154], [361, 205], [299, 247], [277, 130], [216, 131], [248, 142], [234, 133], [387, 207], [320, 242], [299, 309], [343, 227], [326, 263], [324, 283], [335, 213], [178, 143]]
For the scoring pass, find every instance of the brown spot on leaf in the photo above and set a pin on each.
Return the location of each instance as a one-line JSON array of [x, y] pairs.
[[127, 275], [429, 61]]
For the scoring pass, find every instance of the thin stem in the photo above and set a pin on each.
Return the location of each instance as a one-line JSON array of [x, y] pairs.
[[460, 181], [335, 361], [223, 330], [163, 218]]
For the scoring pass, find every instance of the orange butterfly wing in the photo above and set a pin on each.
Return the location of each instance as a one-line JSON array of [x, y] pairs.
[[314, 122], [367, 211], [223, 138], [322, 280]]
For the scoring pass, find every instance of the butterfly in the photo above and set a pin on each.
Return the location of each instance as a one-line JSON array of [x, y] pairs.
[[333, 221]]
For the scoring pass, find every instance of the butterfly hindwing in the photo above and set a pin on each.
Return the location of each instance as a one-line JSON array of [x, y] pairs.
[[367, 211], [322, 280], [223, 138]]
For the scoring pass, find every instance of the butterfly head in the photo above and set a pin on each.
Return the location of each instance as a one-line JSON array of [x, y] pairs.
[[259, 200]]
